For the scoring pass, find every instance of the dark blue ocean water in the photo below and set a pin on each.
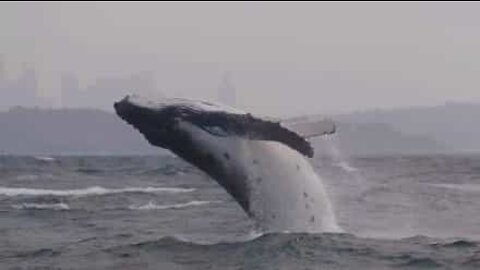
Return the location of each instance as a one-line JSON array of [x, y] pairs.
[[157, 212]]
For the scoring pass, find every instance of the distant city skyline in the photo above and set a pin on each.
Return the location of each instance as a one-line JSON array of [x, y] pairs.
[[286, 58], [22, 91]]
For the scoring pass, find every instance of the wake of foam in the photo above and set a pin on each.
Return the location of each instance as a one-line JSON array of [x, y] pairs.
[[152, 206], [96, 190], [50, 206]]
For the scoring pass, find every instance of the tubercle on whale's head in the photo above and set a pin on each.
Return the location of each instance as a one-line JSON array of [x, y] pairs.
[[155, 124]]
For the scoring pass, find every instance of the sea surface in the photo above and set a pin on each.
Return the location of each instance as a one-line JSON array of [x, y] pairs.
[[158, 212]]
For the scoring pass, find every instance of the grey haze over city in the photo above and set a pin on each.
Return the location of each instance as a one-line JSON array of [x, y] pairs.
[[283, 58], [395, 77]]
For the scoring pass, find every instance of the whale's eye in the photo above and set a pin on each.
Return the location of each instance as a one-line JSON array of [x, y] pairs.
[[216, 131], [208, 103]]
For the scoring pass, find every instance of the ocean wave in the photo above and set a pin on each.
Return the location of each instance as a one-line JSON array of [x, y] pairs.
[[462, 187], [42, 206], [38, 253], [89, 170], [313, 250], [96, 190], [345, 240], [45, 158], [27, 177], [153, 206]]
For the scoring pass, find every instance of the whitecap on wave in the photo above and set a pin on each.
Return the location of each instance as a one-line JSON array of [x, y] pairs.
[[46, 159], [49, 206], [96, 190], [153, 206]]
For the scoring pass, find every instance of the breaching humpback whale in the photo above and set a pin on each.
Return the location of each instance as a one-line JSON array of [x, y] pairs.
[[261, 163]]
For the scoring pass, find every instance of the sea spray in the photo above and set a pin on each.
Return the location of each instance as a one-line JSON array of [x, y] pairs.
[[338, 159]]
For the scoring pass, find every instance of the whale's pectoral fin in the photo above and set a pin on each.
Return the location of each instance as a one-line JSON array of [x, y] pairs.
[[253, 128], [308, 128]]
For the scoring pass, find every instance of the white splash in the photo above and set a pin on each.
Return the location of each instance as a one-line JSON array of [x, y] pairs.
[[345, 166], [42, 206], [337, 155], [339, 160], [153, 206], [44, 158], [96, 190]]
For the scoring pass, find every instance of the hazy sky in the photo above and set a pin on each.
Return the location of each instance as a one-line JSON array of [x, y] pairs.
[[284, 58]]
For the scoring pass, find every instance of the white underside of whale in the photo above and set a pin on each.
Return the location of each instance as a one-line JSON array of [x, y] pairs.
[[285, 193]]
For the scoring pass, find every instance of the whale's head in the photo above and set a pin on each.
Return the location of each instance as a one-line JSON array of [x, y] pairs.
[[158, 121], [163, 123]]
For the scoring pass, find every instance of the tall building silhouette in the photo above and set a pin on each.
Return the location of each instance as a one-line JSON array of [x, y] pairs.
[[3, 86], [2, 72], [226, 91], [70, 89], [23, 90]]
